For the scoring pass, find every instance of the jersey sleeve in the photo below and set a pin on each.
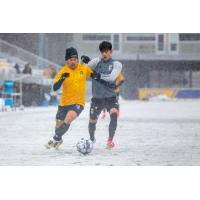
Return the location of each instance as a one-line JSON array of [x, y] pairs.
[[58, 76], [93, 63], [114, 74], [88, 72]]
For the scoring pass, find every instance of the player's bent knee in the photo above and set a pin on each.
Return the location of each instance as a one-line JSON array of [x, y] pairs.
[[113, 115], [113, 110]]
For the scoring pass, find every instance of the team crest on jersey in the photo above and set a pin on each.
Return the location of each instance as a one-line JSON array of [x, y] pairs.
[[81, 72]]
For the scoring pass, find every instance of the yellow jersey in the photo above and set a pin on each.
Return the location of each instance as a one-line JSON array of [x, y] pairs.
[[74, 86], [119, 79]]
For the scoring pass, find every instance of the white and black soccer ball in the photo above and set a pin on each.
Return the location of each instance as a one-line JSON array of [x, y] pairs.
[[84, 146]]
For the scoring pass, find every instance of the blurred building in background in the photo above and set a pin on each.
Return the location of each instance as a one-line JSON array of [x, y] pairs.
[[151, 60], [50, 46], [162, 60]]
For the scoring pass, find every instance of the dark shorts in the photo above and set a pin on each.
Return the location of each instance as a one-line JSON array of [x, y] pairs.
[[97, 105], [63, 110]]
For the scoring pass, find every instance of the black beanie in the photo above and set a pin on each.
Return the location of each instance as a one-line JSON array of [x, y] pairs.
[[71, 53]]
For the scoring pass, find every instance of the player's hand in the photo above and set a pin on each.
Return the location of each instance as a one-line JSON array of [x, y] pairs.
[[64, 76], [85, 59], [112, 85], [115, 87], [95, 75]]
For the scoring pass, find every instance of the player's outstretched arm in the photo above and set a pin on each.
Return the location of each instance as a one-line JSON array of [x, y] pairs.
[[114, 74], [58, 84], [97, 77], [94, 75], [106, 77]]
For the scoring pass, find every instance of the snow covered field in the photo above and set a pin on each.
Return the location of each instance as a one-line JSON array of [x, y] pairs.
[[149, 133]]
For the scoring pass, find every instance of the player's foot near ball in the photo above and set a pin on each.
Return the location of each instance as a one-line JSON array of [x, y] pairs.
[[93, 140], [110, 144], [53, 143]]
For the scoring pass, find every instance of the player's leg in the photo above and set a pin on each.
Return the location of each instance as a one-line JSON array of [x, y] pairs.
[[118, 113], [56, 141], [113, 122], [63, 121], [95, 110], [72, 113], [92, 128], [63, 127], [113, 109]]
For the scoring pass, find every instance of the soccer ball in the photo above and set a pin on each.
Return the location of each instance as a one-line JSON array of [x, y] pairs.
[[84, 146]]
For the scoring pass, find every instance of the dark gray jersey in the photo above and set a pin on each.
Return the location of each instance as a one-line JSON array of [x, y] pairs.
[[109, 71]]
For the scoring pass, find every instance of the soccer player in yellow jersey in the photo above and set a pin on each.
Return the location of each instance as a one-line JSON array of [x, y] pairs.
[[72, 77]]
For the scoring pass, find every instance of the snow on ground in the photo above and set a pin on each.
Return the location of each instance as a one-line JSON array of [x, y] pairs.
[[149, 133]]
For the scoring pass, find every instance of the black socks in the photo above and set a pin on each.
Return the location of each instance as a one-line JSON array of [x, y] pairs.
[[61, 131], [112, 125], [92, 128]]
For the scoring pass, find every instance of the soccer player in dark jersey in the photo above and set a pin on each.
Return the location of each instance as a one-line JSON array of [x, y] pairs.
[[106, 69]]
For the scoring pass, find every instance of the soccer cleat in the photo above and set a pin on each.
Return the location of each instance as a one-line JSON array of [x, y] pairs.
[[93, 140], [110, 144], [53, 144]]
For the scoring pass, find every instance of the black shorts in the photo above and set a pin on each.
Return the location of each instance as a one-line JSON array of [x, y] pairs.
[[63, 110], [97, 105]]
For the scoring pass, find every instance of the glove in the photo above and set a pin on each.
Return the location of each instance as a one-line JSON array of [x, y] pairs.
[[64, 76], [107, 84], [111, 85], [85, 59], [95, 75]]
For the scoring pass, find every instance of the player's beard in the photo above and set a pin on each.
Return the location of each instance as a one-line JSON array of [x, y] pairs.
[[73, 66]]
